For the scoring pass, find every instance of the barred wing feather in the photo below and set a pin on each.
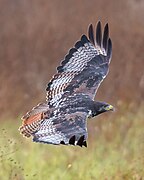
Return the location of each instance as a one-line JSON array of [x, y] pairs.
[[83, 68]]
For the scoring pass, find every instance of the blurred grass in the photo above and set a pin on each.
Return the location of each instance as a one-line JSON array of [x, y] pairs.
[[115, 151]]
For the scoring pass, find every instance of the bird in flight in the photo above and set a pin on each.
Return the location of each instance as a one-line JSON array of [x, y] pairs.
[[71, 91]]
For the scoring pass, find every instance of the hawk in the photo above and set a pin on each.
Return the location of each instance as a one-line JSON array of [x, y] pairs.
[[62, 119]]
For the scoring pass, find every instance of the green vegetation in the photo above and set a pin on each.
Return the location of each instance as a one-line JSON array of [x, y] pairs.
[[115, 151]]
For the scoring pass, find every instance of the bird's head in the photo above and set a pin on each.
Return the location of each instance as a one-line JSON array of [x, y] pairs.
[[106, 107], [101, 107]]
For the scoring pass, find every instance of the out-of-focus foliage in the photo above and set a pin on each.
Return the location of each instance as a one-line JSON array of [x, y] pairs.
[[115, 151], [35, 35]]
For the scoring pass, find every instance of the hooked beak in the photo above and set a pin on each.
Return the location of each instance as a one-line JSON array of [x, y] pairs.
[[110, 108]]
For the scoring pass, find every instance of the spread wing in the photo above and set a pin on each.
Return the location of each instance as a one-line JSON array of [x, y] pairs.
[[56, 125], [63, 129], [80, 73], [84, 67]]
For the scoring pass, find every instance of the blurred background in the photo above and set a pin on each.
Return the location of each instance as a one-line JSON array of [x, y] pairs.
[[36, 35]]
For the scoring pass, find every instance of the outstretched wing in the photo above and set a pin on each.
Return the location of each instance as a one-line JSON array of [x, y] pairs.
[[82, 71], [83, 68], [63, 129], [56, 125]]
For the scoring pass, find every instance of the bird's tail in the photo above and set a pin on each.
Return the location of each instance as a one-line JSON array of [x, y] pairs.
[[33, 119]]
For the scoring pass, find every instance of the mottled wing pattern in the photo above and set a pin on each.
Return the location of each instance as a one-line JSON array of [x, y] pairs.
[[63, 129], [79, 75], [89, 59]]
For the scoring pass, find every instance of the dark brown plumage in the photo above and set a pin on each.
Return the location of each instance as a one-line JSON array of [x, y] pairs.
[[71, 92]]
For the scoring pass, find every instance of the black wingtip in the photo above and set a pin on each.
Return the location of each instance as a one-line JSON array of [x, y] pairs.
[[72, 50], [98, 33], [78, 44], [109, 51], [91, 34], [84, 39], [84, 144], [62, 142], [105, 37], [80, 141], [72, 140]]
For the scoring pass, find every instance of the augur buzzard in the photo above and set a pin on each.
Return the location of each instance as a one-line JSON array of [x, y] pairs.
[[71, 91]]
